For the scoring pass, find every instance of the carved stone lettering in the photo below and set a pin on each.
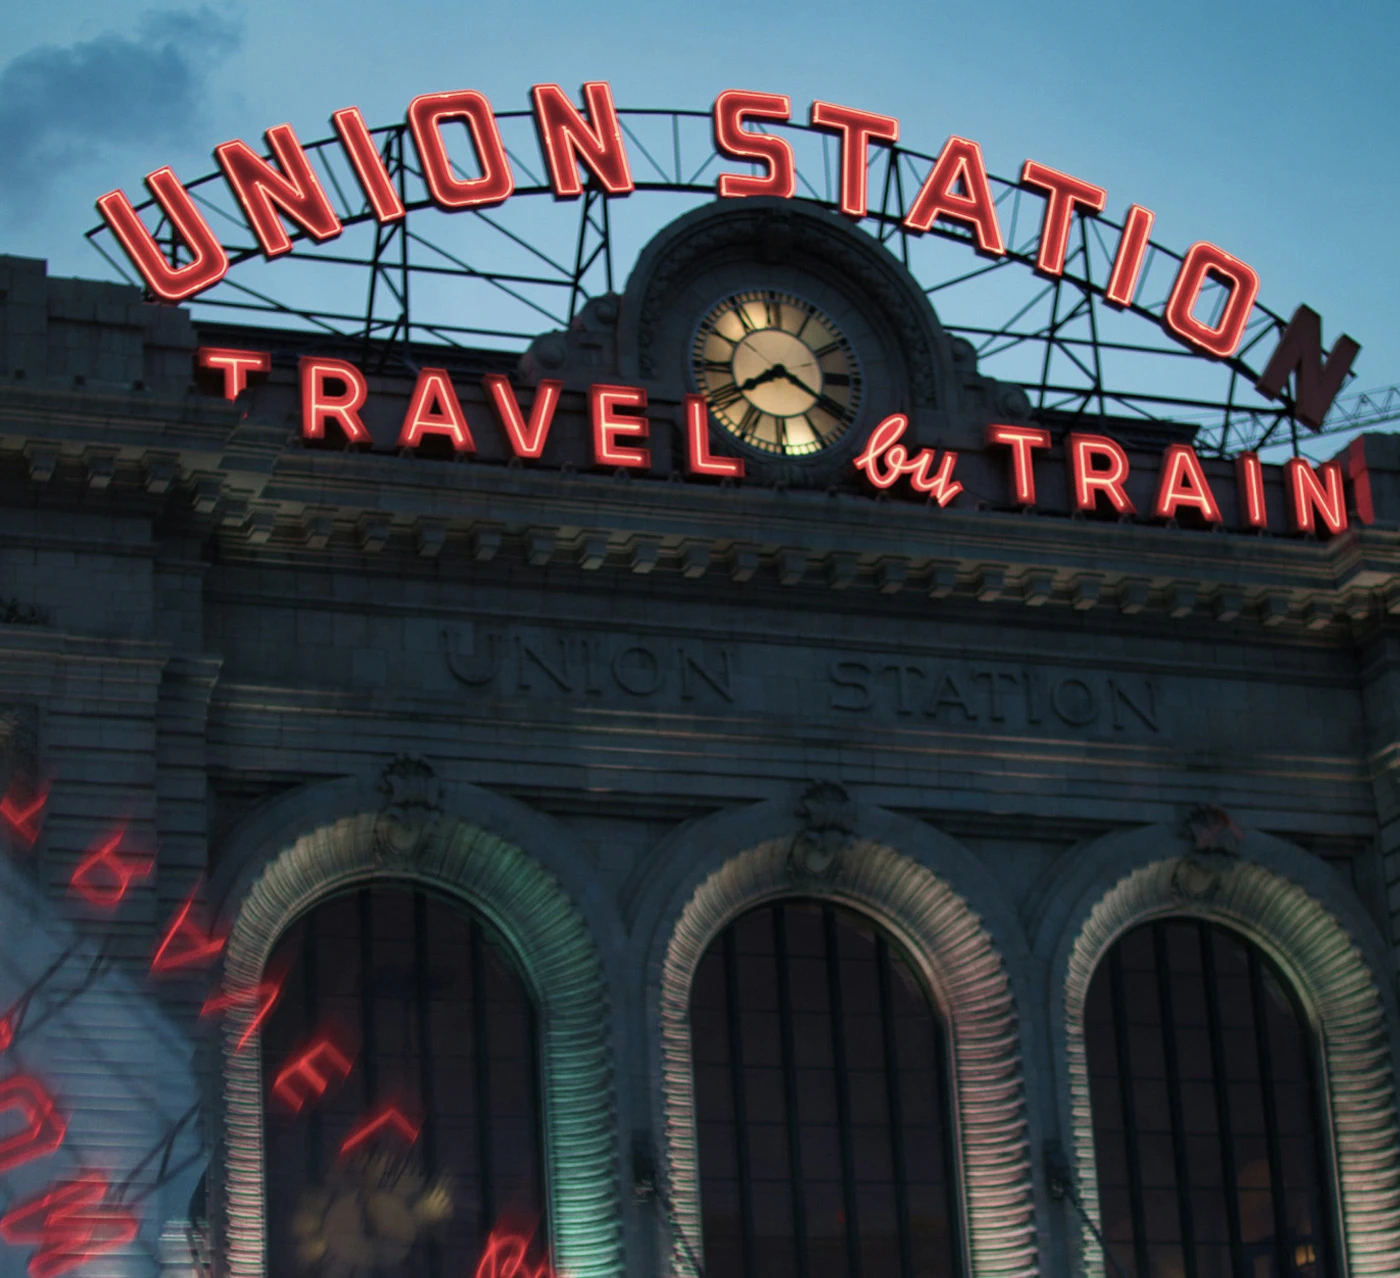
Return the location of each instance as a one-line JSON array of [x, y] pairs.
[[958, 695]]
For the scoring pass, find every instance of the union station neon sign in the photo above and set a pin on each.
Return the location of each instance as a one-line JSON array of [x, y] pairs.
[[575, 141]]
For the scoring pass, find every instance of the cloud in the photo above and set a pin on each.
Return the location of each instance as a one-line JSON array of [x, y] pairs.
[[61, 106]]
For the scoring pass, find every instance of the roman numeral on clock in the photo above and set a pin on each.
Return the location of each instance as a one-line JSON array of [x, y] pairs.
[[725, 395]]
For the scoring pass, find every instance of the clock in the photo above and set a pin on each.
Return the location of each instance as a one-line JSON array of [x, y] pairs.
[[779, 374]]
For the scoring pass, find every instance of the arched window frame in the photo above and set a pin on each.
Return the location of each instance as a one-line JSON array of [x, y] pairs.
[[556, 954], [968, 984], [1334, 985]]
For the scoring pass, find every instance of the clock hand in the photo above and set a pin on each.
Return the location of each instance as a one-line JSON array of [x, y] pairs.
[[799, 383], [768, 375]]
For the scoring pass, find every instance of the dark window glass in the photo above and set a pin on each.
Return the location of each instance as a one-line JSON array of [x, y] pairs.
[[1205, 1106], [821, 1099], [422, 996]]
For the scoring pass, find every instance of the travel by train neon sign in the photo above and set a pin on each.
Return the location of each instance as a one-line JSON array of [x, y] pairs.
[[586, 143]]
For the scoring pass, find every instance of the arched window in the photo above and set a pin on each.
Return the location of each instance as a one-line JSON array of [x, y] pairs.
[[1209, 1141], [821, 1099], [425, 1004]]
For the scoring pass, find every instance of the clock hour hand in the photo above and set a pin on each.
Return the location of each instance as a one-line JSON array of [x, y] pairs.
[[768, 375]]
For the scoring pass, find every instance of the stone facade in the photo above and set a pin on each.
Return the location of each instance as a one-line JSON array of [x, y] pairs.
[[1008, 736]]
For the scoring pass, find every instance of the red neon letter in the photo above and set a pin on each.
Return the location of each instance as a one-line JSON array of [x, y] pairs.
[[1249, 479], [258, 187], [318, 404], [603, 405], [731, 139], [307, 1075], [1063, 192], [1300, 350], [567, 139], [23, 818], [7, 1031], [186, 943], [884, 446], [1203, 259], [959, 161], [425, 116], [368, 164], [103, 876], [1020, 439], [390, 1117], [1183, 483], [235, 366], [435, 410], [208, 262], [857, 130], [264, 996], [698, 458], [1132, 249], [70, 1225], [44, 1127], [526, 439], [1360, 478], [1306, 496], [504, 1257], [1088, 482]]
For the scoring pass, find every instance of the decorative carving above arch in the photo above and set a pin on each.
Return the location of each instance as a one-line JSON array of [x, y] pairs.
[[529, 907], [1339, 993], [969, 983]]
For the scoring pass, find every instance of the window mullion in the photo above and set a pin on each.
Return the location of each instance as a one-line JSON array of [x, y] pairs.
[[311, 1010], [482, 1060], [368, 1051], [422, 995], [794, 1129], [741, 1117], [1228, 1173], [1264, 1052], [1180, 1161], [1125, 1092], [843, 1093], [891, 1046]]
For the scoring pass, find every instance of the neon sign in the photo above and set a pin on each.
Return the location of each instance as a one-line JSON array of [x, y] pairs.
[[587, 139], [333, 393]]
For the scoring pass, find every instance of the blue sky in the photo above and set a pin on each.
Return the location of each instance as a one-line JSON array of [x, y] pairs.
[[1269, 128]]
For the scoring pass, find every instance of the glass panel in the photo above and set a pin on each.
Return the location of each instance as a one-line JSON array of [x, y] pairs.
[[821, 1102], [1205, 1110], [435, 1021]]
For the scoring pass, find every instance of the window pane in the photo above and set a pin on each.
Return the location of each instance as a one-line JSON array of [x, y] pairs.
[[1205, 1109], [436, 1021], [832, 1103]]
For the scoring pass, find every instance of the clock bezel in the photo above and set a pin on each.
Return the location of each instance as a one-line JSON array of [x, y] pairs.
[[730, 302]]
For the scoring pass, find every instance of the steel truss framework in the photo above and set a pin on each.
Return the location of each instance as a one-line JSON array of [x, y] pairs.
[[500, 276]]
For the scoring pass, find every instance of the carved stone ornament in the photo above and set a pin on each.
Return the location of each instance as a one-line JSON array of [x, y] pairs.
[[413, 803], [827, 818], [1195, 880], [1211, 830]]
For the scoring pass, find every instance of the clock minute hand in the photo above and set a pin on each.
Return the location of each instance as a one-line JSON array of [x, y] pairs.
[[799, 383]]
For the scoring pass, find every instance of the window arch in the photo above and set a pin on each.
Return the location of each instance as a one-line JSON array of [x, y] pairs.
[[821, 1101], [423, 1003], [1208, 1132]]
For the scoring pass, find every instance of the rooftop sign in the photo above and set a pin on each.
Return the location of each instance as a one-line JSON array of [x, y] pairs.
[[584, 146]]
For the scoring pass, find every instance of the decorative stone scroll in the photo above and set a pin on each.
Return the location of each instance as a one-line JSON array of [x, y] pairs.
[[1338, 991], [410, 842], [970, 987]]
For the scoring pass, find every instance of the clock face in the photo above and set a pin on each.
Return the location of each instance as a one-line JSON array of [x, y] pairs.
[[778, 374]]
